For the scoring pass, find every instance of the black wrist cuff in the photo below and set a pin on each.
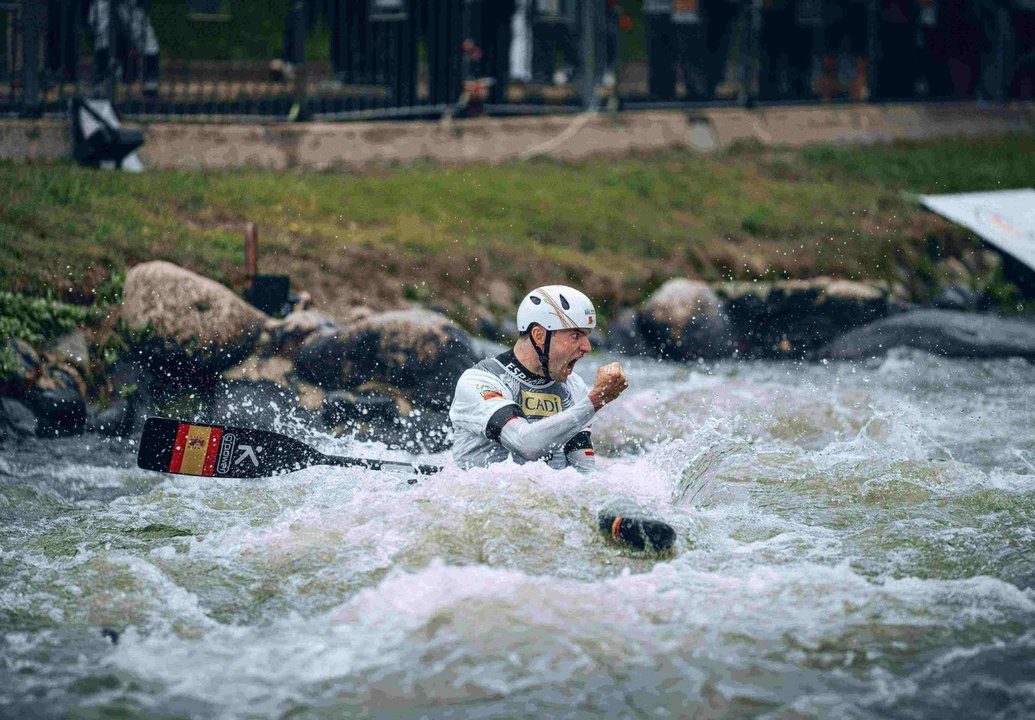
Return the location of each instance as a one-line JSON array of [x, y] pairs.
[[500, 418]]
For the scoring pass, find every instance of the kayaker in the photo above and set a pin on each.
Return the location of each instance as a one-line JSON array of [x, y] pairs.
[[527, 403]]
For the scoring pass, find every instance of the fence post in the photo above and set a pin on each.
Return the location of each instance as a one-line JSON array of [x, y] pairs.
[[298, 33], [32, 25], [748, 64], [873, 48], [588, 54]]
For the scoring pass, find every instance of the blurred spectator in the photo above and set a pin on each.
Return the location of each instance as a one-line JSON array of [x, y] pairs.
[[661, 51], [844, 41], [689, 31], [554, 46], [135, 43], [720, 17], [62, 29], [521, 42], [896, 61], [491, 40], [677, 44], [786, 50], [1021, 73], [950, 51]]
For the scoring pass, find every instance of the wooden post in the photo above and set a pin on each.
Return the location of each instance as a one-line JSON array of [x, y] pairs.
[[251, 250], [32, 21]]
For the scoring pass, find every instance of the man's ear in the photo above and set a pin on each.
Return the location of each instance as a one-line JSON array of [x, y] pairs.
[[538, 334]]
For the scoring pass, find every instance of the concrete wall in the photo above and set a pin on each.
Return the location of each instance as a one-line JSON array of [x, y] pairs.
[[360, 144]]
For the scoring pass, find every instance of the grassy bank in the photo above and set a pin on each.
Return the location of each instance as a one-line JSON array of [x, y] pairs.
[[471, 239]]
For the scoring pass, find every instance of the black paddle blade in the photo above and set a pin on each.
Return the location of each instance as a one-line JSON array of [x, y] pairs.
[[183, 448], [637, 532]]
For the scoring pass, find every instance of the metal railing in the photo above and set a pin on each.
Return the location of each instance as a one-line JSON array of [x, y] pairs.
[[233, 60]]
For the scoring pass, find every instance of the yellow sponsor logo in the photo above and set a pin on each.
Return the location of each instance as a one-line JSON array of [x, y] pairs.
[[541, 404]]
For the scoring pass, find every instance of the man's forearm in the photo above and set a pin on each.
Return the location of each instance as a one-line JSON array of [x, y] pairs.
[[532, 440]]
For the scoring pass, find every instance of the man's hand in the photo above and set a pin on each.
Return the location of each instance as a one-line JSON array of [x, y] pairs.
[[610, 383]]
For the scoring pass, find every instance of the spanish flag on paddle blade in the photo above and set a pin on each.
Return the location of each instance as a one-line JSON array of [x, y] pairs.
[[179, 447]]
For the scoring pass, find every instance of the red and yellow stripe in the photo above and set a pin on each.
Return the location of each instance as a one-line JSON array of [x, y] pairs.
[[195, 450], [616, 528]]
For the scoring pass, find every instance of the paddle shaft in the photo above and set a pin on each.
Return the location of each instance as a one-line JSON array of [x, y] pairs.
[[372, 464]]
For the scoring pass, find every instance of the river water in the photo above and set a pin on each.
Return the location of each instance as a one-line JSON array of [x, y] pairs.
[[855, 541]]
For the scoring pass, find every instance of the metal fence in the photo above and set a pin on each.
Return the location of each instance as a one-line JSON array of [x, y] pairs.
[[232, 60]]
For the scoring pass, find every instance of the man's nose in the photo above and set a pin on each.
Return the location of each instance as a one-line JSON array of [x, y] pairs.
[[585, 344]]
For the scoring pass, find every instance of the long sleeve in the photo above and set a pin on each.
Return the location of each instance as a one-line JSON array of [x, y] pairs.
[[532, 440]]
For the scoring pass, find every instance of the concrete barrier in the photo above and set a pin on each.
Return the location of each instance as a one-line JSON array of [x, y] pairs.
[[355, 145]]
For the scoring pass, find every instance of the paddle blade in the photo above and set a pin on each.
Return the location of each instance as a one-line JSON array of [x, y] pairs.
[[637, 532], [182, 448]]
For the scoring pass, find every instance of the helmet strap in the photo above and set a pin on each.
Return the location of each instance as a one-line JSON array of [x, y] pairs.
[[543, 352]]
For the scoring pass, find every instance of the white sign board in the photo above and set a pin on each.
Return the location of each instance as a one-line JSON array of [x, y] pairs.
[[1005, 218]]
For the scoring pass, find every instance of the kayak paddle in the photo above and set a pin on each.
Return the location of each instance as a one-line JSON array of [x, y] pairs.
[[225, 451]]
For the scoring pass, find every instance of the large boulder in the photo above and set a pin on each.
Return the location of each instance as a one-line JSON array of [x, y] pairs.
[[943, 332], [684, 320], [623, 334], [256, 404], [58, 398], [16, 420], [194, 327], [418, 351], [22, 369], [286, 336], [794, 318], [136, 393]]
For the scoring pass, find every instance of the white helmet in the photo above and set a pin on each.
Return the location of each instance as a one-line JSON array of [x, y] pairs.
[[556, 307]]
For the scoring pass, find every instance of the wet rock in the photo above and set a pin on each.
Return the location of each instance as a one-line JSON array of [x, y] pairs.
[[116, 420], [489, 327], [16, 420], [342, 408], [943, 332], [136, 394], [792, 319], [958, 298], [195, 328], [623, 334], [261, 404], [58, 400], [72, 348], [422, 431], [684, 320], [420, 352], [286, 336], [277, 370], [19, 378]]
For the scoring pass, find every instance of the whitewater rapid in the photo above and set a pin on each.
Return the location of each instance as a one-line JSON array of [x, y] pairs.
[[854, 540]]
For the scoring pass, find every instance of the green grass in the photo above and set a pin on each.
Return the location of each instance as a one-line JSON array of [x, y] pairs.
[[34, 320], [945, 167], [618, 227]]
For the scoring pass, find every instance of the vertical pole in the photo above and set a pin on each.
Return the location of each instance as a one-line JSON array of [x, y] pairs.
[[111, 77], [298, 33], [588, 54], [1003, 52], [872, 48], [251, 250], [32, 22], [749, 52]]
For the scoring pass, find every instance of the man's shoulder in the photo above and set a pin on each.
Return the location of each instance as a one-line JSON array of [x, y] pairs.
[[576, 384]]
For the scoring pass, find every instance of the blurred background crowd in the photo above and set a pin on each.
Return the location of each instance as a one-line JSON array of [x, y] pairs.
[[337, 59]]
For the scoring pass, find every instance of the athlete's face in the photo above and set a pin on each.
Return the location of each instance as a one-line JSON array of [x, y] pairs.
[[566, 348]]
